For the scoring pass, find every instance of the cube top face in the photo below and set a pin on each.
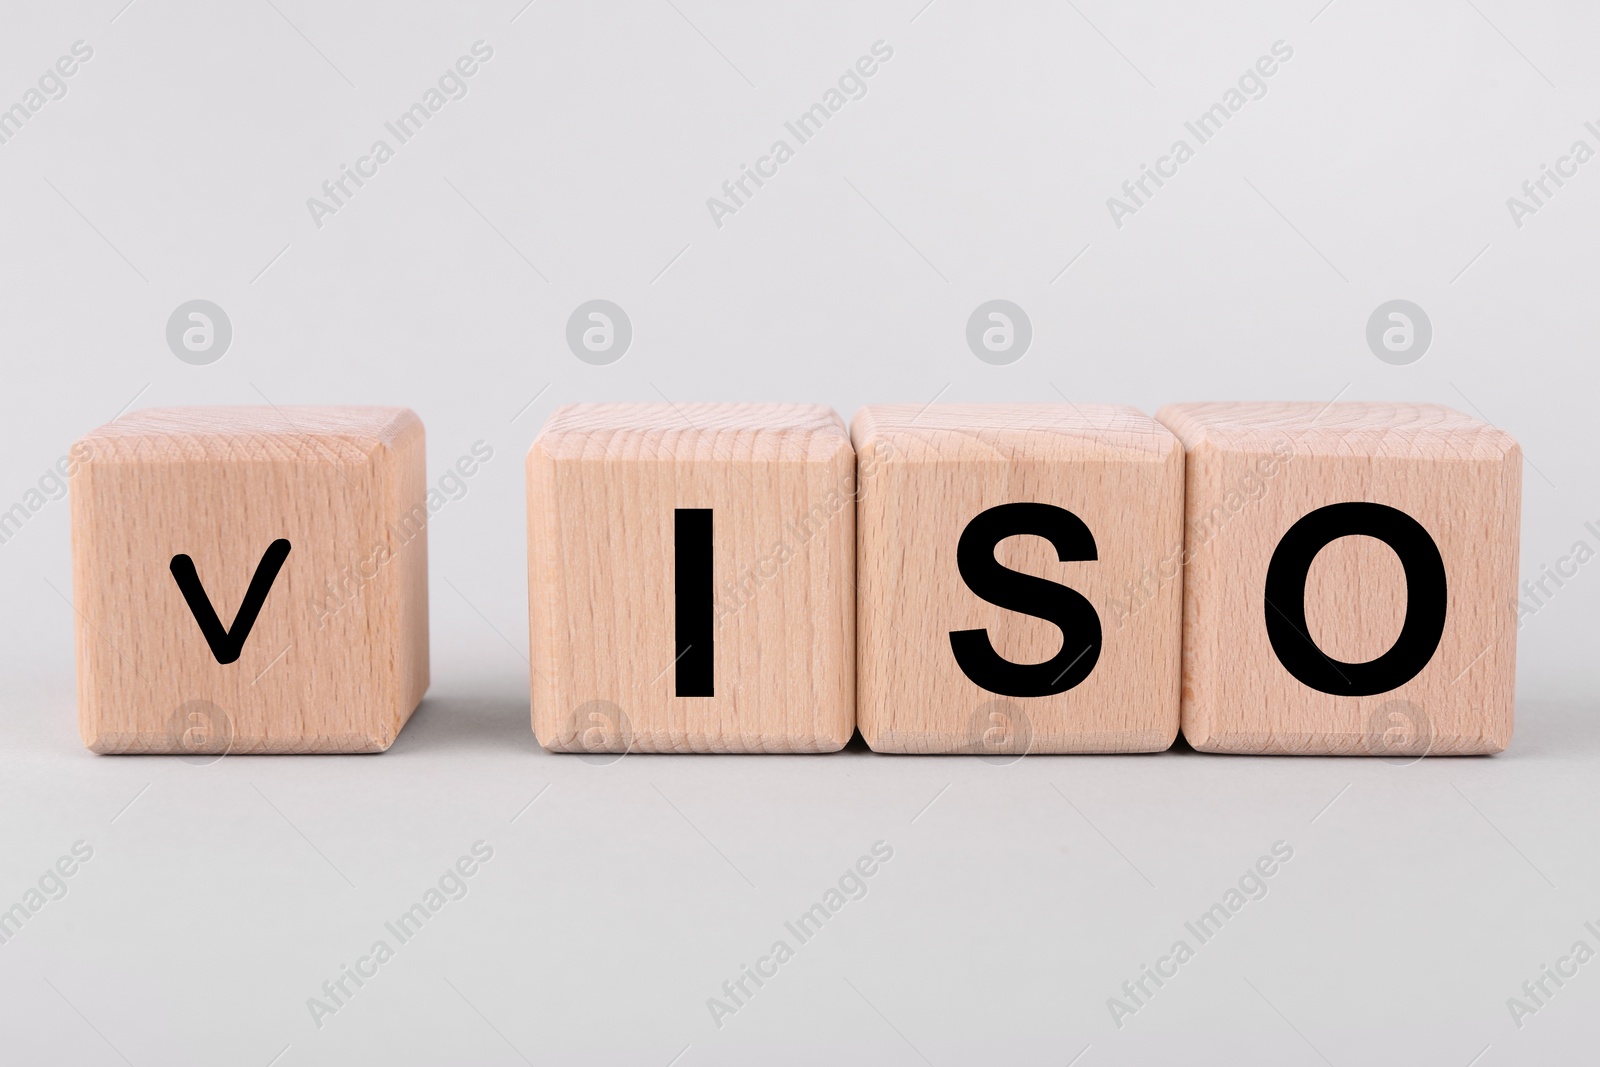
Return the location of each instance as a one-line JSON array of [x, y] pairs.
[[952, 489], [945, 433], [308, 522], [753, 506], [1395, 431], [342, 434], [698, 431], [1394, 528]]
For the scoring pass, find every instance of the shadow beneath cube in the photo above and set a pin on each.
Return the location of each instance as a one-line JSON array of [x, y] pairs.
[[1560, 727], [475, 721]]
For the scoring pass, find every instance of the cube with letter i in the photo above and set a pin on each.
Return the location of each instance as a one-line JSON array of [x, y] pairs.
[[250, 580], [690, 579], [1350, 584], [1019, 578]]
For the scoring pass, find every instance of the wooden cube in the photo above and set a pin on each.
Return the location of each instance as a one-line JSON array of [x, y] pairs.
[[1351, 579], [690, 572], [1019, 579], [250, 580]]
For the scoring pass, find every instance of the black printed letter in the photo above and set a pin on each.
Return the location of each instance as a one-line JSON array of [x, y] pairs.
[[227, 644], [1066, 608], [1286, 599], [691, 546]]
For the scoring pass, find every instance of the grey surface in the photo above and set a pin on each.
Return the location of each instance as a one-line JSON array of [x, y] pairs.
[[977, 167]]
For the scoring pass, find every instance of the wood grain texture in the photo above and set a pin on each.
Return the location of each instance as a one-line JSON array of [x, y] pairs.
[[926, 472], [604, 481], [336, 661], [1255, 469]]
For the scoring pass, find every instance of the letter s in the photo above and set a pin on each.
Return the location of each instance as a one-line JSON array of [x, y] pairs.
[[1067, 608]]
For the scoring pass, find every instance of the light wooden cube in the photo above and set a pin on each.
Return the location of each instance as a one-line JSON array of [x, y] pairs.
[[945, 492], [335, 656], [1403, 642], [690, 572]]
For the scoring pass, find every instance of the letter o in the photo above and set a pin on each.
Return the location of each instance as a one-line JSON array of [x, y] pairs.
[[1285, 599]]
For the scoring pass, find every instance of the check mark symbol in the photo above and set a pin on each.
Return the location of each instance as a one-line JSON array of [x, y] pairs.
[[226, 644]]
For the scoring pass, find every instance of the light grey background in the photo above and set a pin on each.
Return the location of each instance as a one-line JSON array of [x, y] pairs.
[[977, 167]]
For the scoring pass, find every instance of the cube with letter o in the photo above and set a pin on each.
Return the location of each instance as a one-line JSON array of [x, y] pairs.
[[1350, 578]]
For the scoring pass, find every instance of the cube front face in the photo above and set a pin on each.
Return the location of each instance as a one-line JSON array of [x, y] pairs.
[[336, 658], [946, 491], [1370, 668], [618, 496]]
